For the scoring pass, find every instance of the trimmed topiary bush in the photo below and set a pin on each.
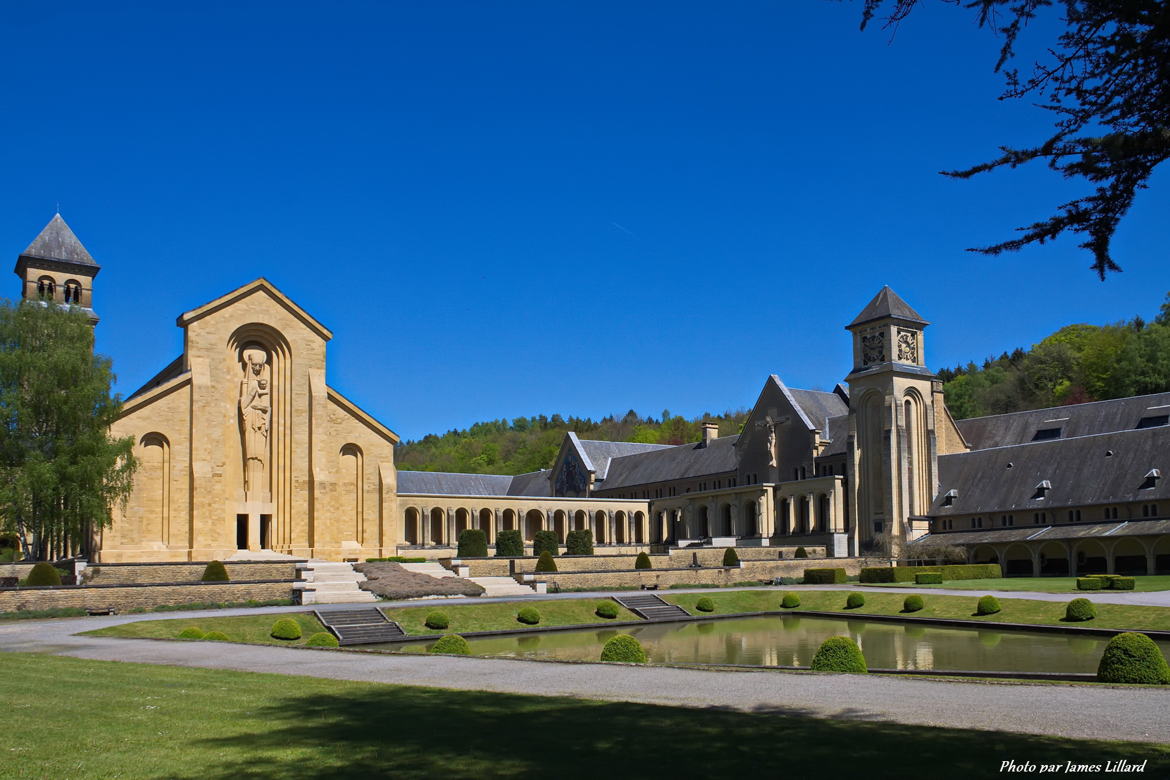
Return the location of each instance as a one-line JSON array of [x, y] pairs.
[[472, 543], [800, 553], [322, 639], [216, 636], [854, 600], [215, 572], [545, 562], [1090, 583], [623, 648], [790, 601], [1079, 610], [912, 603], [824, 576], [1122, 583], [606, 609], [1133, 658], [839, 654], [928, 578], [43, 575], [451, 644], [286, 628], [191, 632], [643, 561], [436, 621], [705, 605], [988, 605], [579, 542], [730, 558], [545, 541], [528, 616], [509, 544]]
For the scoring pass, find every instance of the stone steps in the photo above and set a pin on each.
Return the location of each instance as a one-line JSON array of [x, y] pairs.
[[650, 607], [430, 568], [360, 626], [329, 582], [501, 586]]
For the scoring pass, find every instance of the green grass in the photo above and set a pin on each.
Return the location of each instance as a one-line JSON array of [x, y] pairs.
[[242, 628], [1044, 613], [1037, 584], [40, 614], [134, 720], [502, 616]]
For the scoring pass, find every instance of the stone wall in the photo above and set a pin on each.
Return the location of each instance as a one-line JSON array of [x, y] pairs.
[[714, 575], [713, 556], [676, 559], [148, 574], [127, 597]]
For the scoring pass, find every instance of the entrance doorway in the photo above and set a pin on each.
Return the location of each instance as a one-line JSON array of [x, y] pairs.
[[241, 532], [265, 532]]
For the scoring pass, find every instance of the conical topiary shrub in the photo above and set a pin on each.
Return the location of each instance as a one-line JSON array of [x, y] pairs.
[[623, 648], [545, 563], [215, 572], [642, 561], [839, 654], [730, 558], [451, 644], [286, 628], [1133, 658], [42, 575]]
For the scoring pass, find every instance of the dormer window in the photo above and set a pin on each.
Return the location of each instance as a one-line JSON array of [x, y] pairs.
[[1151, 479], [1046, 434], [46, 288], [949, 497], [1154, 421], [72, 292], [1042, 489]]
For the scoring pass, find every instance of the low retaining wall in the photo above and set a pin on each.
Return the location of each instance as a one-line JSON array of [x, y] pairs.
[[675, 559], [438, 553], [664, 576], [126, 597], [169, 573]]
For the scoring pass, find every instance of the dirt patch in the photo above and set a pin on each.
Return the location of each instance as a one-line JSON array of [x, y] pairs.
[[391, 581]]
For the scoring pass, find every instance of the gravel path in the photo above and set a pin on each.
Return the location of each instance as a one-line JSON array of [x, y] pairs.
[[1135, 714]]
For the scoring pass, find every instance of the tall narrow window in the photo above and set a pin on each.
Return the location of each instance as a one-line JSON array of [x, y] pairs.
[[46, 287], [72, 292]]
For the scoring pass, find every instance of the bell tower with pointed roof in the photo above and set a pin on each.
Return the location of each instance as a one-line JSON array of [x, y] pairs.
[[56, 266]]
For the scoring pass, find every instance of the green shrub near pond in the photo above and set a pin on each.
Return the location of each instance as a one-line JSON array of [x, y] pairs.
[[43, 575], [790, 601], [286, 628], [191, 632], [606, 609], [988, 605], [854, 600], [839, 654], [1133, 658], [451, 644], [579, 542], [730, 558], [472, 543], [824, 576], [643, 561], [1090, 583], [322, 639], [545, 541], [705, 605], [913, 603], [215, 572], [216, 636], [436, 620], [509, 544], [528, 616], [545, 563], [1079, 610], [623, 648], [928, 578]]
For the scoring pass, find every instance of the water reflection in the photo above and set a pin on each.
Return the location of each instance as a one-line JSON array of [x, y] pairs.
[[788, 640]]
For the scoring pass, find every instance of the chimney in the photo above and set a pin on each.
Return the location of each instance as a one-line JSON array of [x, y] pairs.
[[710, 432]]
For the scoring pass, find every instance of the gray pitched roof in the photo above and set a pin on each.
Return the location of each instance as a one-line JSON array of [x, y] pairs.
[[172, 370], [57, 242], [602, 452], [837, 432], [1120, 414], [447, 484], [818, 406], [886, 303], [1042, 532], [534, 483], [680, 462], [1100, 469]]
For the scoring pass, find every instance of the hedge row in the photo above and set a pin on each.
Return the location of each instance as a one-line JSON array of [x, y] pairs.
[[1105, 582], [824, 576], [965, 571]]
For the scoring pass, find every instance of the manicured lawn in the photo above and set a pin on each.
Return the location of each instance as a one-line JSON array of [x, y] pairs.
[[253, 629], [1048, 613], [502, 616], [140, 721], [1038, 584]]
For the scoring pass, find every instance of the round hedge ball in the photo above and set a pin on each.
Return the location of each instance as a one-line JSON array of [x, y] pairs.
[[43, 574], [988, 605], [1079, 610], [322, 639], [790, 601], [528, 616], [216, 636], [912, 604], [437, 620], [839, 654], [854, 600], [705, 605], [606, 609], [286, 628], [451, 644], [1133, 658], [191, 632], [624, 648]]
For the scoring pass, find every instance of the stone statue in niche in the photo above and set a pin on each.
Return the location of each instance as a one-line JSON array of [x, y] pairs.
[[255, 417]]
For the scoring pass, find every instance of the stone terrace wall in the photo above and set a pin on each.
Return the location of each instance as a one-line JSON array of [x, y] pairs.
[[126, 597], [708, 556], [157, 573], [714, 575], [713, 556]]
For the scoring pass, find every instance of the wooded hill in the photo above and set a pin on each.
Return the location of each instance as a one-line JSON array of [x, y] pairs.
[[1077, 363]]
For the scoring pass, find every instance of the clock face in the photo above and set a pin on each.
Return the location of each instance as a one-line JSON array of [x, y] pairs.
[[907, 346], [873, 347]]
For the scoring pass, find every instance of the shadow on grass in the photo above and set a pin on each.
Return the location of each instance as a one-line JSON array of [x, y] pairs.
[[413, 732]]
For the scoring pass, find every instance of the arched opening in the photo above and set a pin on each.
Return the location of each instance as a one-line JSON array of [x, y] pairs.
[[560, 524], [724, 525], [73, 292], [1017, 561], [349, 489], [508, 520], [704, 523], [872, 482], [153, 483], [620, 527], [462, 521], [580, 520], [438, 526], [533, 522], [1054, 559], [984, 554], [914, 415], [46, 288], [1129, 557], [1162, 555], [751, 520], [782, 521], [486, 516], [823, 513], [1091, 557], [639, 522], [802, 521], [599, 530], [411, 526]]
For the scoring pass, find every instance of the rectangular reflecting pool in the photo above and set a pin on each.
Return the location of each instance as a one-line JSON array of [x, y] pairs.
[[792, 640]]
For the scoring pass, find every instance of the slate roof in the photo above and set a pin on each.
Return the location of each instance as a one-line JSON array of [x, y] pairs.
[[534, 483], [818, 406], [57, 242], [886, 303], [601, 453], [172, 370], [1098, 469], [1120, 414], [837, 431], [1039, 533], [447, 484], [668, 463]]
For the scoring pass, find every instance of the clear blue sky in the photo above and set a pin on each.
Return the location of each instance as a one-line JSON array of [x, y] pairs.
[[505, 209]]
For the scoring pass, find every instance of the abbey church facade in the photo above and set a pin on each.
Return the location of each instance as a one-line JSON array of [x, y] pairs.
[[244, 446]]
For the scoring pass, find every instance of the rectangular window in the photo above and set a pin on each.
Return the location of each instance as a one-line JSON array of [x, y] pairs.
[[1044, 434], [1154, 421]]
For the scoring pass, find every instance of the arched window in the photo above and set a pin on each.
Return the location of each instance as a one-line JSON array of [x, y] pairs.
[[72, 292], [46, 287]]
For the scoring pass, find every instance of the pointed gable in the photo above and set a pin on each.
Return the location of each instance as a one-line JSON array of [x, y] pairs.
[[59, 244], [262, 286], [887, 304]]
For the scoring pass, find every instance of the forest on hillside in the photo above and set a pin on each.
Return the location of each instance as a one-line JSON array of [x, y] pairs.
[[1077, 363]]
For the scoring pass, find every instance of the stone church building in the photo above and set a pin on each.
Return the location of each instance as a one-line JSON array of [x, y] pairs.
[[243, 445]]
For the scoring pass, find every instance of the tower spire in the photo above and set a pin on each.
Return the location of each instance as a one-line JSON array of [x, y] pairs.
[[56, 266]]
